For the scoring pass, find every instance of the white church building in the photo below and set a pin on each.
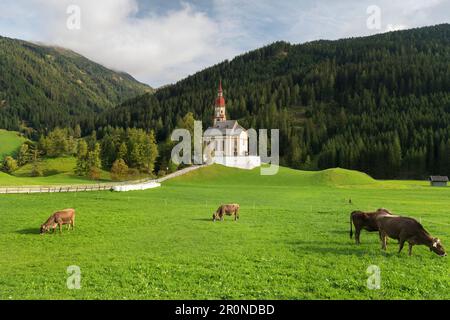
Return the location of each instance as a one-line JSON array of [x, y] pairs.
[[228, 140]]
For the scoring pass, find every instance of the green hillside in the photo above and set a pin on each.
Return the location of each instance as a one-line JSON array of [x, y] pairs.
[[291, 242], [10, 143], [285, 177], [48, 86], [56, 171]]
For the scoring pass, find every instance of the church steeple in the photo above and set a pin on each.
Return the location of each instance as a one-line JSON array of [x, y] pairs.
[[219, 108]]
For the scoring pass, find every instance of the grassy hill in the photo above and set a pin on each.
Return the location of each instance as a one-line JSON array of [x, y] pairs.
[[56, 171], [49, 86], [292, 240], [286, 177], [10, 142]]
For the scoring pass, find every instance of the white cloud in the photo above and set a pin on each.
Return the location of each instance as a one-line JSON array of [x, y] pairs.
[[395, 27], [148, 47], [156, 49], [172, 41]]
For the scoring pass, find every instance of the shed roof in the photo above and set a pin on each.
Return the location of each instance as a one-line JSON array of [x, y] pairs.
[[439, 179]]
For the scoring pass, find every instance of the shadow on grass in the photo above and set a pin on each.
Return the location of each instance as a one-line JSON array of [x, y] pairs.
[[217, 221], [347, 232], [202, 219], [29, 231], [322, 247]]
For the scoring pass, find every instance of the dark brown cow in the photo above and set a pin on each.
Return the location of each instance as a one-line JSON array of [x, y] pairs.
[[407, 229], [59, 218], [227, 209], [366, 221]]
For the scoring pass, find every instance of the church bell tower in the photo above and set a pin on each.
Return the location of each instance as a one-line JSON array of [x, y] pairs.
[[219, 108]]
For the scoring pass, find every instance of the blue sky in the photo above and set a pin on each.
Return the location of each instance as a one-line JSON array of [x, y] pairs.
[[163, 41]]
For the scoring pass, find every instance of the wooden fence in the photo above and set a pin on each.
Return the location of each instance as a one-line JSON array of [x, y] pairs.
[[90, 187]]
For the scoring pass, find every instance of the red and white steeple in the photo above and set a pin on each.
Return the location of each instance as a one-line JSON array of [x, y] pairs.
[[219, 108]]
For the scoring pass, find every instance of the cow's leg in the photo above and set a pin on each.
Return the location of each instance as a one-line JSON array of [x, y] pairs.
[[357, 233], [60, 227], [410, 249], [401, 243], [384, 241]]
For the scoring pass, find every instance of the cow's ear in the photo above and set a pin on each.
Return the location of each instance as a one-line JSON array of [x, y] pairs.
[[435, 244]]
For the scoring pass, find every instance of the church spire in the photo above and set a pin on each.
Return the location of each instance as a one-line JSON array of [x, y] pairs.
[[219, 108], [220, 101]]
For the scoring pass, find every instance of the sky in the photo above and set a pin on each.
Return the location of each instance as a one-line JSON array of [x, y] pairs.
[[162, 41]]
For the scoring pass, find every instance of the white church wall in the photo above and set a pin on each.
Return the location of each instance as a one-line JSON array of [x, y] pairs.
[[139, 186], [241, 162]]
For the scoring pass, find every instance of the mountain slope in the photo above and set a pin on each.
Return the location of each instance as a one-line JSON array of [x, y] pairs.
[[49, 86], [378, 104]]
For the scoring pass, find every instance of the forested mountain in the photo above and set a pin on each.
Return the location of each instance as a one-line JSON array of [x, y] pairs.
[[43, 87], [380, 104]]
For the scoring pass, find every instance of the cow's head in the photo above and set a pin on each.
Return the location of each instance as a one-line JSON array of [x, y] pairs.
[[214, 218], [437, 247], [44, 228]]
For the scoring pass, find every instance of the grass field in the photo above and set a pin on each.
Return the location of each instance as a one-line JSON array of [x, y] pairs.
[[292, 241], [10, 142], [57, 171]]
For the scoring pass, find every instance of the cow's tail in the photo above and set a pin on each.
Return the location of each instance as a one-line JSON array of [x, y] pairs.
[[351, 222]]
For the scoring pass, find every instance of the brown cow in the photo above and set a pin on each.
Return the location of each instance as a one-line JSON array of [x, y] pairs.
[[59, 218], [407, 229], [366, 221], [227, 209]]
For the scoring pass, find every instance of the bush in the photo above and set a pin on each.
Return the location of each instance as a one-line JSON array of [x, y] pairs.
[[9, 164], [119, 170], [94, 173], [37, 170], [162, 173], [134, 174]]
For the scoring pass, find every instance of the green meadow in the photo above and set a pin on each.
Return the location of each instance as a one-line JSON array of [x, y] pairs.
[[292, 241], [10, 142]]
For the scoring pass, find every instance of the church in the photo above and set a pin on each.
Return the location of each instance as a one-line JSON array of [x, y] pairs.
[[228, 139]]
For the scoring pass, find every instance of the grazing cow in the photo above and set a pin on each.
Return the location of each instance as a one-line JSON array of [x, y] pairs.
[[227, 209], [407, 229], [366, 221], [59, 218]]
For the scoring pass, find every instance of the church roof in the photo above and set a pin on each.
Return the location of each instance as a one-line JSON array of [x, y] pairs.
[[229, 128], [220, 101]]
